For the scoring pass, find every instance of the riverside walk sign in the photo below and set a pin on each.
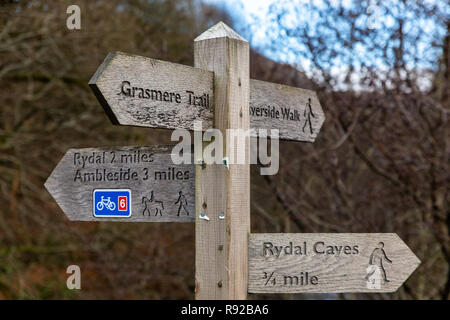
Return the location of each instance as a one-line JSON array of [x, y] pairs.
[[143, 184]]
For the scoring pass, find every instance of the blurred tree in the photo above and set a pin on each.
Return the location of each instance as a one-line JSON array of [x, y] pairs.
[[381, 161], [46, 107]]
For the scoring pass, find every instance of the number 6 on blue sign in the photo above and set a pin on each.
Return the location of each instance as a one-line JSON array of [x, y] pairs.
[[111, 203]]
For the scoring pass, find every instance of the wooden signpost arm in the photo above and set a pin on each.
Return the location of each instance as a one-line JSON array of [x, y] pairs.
[[223, 194]]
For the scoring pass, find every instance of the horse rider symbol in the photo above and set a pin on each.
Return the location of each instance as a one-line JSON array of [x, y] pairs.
[[152, 204]]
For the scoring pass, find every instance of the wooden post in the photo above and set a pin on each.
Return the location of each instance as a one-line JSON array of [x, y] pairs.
[[221, 259]]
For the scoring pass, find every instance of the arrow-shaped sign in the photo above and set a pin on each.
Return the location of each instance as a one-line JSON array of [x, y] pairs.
[[123, 184], [328, 262], [140, 91]]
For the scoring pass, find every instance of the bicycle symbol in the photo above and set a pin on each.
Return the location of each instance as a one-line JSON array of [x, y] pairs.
[[106, 203]]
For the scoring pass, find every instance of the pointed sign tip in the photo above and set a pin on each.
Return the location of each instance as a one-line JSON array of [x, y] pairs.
[[102, 67], [219, 30], [46, 186]]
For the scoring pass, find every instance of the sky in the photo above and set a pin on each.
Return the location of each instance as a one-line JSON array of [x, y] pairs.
[[251, 21], [247, 16], [246, 12]]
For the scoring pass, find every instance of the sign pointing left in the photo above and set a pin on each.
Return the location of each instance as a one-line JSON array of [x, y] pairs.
[[140, 91], [138, 184]]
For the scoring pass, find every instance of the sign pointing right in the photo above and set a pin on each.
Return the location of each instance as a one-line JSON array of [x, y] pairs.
[[328, 262]]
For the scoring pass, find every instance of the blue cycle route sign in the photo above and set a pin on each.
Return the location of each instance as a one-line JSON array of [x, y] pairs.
[[112, 203]]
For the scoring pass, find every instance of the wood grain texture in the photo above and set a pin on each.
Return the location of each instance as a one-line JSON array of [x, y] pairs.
[[297, 113], [72, 185], [221, 244], [343, 271], [148, 110]]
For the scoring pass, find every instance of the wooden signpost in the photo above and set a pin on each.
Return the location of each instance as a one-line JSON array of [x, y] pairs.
[[142, 184]]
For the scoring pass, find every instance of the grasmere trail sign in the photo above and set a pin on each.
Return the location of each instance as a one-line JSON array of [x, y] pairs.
[[146, 92], [143, 184]]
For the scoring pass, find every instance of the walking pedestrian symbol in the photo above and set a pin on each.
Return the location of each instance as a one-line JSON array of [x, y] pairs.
[[308, 113], [182, 203], [376, 272]]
